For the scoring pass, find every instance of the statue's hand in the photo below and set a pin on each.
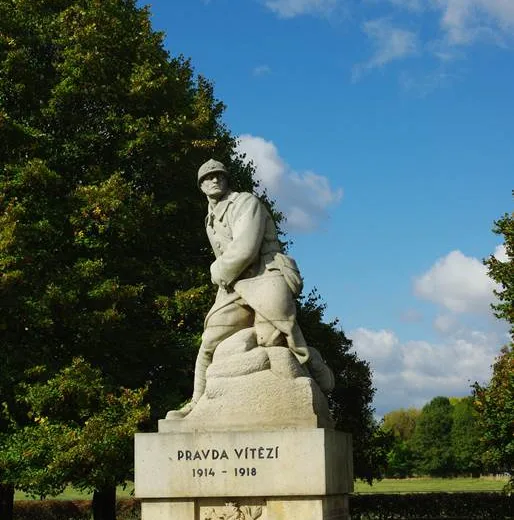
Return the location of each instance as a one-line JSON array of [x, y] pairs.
[[216, 275]]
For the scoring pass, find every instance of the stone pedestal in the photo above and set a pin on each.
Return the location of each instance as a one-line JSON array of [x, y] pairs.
[[290, 473]]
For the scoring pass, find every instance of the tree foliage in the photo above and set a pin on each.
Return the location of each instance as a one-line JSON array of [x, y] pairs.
[[101, 241], [431, 441], [495, 406], [465, 438], [351, 399], [401, 424], [442, 439], [102, 251], [495, 401], [502, 272], [80, 432]]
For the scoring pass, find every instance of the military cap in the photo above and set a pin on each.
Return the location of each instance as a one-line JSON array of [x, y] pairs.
[[211, 166]]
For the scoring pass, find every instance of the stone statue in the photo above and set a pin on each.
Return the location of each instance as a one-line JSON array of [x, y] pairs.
[[257, 283]]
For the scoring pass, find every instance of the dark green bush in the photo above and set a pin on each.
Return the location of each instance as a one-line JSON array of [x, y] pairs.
[[127, 509], [52, 510], [432, 506]]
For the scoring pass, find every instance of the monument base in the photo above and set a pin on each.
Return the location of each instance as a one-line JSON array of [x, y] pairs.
[[305, 474], [304, 508]]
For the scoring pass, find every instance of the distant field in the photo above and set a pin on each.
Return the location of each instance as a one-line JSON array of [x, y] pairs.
[[412, 485], [420, 485]]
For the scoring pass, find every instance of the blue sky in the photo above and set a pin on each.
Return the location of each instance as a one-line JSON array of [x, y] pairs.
[[384, 130]]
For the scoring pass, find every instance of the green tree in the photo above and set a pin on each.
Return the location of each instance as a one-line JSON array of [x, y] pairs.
[[502, 272], [401, 424], [102, 251], [351, 399], [495, 401], [400, 460], [465, 437], [101, 247], [81, 433], [495, 406], [431, 441]]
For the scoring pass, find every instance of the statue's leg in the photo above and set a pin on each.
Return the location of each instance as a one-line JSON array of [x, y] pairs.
[[220, 325], [275, 309], [221, 322], [320, 371], [212, 336], [275, 313], [267, 334]]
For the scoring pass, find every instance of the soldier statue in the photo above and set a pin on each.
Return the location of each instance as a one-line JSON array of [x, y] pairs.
[[257, 283]]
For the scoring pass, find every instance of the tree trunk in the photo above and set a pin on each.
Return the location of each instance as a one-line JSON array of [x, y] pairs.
[[104, 503], [6, 501]]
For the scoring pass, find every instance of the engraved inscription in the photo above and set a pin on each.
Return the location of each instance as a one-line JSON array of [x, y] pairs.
[[245, 472], [243, 453], [208, 454], [203, 472], [212, 456]]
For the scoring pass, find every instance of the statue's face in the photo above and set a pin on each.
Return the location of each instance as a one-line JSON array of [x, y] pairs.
[[214, 185]]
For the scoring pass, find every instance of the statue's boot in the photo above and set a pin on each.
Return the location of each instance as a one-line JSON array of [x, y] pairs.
[[181, 412], [203, 361], [320, 371]]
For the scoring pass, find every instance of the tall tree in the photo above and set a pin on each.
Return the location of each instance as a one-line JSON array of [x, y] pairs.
[[102, 251], [431, 441], [502, 271], [401, 424], [495, 401], [351, 399], [495, 406], [465, 437], [101, 242], [81, 432]]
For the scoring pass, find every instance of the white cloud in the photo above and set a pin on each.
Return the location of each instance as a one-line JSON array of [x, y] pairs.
[[426, 82], [291, 8], [303, 197], [411, 5], [500, 253], [411, 316], [391, 43], [465, 21], [261, 70], [445, 323], [457, 282], [453, 24], [412, 373], [379, 346]]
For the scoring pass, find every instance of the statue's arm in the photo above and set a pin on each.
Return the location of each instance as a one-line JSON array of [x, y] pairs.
[[249, 220]]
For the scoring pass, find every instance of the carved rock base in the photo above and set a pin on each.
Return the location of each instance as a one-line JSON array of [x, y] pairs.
[[254, 388]]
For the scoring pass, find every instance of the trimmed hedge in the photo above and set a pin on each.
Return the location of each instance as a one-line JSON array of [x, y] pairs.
[[127, 509], [433, 506], [414, 506]]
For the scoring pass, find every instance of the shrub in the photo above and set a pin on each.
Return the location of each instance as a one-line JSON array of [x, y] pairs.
[[433, 506], [127, 509]]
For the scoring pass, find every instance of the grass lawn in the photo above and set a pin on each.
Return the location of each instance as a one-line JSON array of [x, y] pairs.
[[410, 485], [420, 485]]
